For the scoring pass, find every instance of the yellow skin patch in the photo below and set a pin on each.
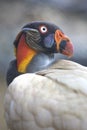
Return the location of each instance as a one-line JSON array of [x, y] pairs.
[[23, 65], [24, 55]]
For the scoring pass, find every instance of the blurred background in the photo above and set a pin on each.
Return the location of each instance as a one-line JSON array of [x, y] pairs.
[[69, 15]]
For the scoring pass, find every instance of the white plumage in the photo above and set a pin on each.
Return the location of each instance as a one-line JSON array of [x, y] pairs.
[[52, 99]]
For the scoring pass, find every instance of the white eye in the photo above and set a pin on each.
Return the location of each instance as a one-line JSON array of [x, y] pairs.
[[43, 29]]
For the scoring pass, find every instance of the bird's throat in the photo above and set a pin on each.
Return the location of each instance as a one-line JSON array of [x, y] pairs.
[[24, 55]]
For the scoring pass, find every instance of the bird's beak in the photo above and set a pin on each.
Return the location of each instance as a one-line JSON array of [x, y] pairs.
[[63, 43]]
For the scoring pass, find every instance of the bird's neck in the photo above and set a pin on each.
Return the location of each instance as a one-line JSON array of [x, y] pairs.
[[24, 55], [39, 62]]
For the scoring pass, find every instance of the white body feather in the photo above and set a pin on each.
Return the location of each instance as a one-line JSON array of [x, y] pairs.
[[53, 99]]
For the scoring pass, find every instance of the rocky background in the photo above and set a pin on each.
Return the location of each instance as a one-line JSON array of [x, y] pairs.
[[69, 15]]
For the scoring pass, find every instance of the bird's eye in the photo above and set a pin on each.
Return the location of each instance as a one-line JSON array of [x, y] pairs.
[[43, 29]]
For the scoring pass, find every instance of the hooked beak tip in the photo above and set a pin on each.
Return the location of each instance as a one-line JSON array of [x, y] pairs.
[[68, 50], [63, 44]]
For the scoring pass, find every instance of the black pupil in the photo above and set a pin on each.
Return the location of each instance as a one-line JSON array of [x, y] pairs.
[[44, 29]]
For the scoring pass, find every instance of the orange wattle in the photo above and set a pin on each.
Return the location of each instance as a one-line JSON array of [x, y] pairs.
[[24, 54]]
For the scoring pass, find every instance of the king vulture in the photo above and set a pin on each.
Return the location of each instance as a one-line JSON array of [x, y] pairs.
[[42, 93]]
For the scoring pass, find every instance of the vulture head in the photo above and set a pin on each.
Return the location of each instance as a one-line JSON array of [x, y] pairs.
[[35, 45]]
